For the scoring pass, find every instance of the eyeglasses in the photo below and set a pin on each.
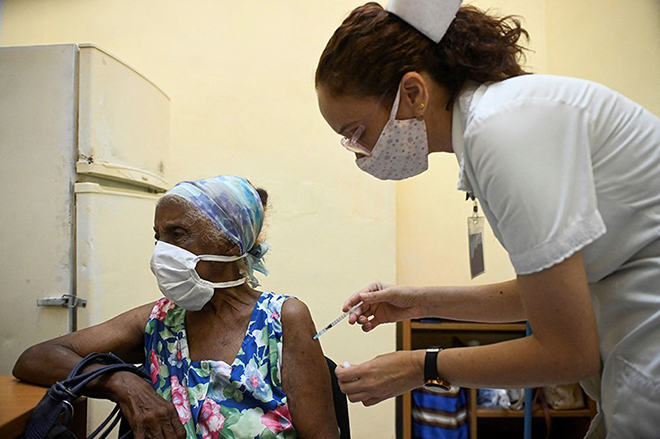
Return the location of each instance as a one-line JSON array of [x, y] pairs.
[[353, 143]]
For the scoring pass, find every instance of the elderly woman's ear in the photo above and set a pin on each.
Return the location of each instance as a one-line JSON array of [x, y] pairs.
[[264, 197]]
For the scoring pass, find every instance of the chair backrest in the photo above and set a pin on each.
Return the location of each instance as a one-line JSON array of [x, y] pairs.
[[340, 402]]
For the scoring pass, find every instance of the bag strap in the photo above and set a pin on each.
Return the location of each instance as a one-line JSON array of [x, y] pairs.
[[72, 388], [113, 418], [44, 416], [95, 357], [60, 397]]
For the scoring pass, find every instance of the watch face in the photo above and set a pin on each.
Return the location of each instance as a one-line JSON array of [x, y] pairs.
[[437, 384]]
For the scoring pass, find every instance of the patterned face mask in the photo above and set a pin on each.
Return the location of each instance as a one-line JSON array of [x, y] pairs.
[[401, 150]]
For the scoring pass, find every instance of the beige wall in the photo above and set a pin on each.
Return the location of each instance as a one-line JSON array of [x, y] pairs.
[[616, 43], [240, 79]]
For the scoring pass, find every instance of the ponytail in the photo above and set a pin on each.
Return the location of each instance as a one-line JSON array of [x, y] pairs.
[[371, 51]]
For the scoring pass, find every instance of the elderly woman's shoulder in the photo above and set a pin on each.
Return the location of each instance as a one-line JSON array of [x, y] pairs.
[[294, 306], [295, 313]]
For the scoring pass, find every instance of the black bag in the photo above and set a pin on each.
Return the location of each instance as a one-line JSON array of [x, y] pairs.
[[44, 420]]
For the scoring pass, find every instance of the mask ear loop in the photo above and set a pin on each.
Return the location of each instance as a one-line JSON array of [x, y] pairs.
[[375, 151], [395, 105], [217, 258], [228, 284]]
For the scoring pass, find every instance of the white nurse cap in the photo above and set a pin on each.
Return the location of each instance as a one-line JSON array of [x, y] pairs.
[[430, 17]]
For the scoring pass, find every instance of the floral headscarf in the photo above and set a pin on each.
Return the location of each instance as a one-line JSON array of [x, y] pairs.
[[235, 208]]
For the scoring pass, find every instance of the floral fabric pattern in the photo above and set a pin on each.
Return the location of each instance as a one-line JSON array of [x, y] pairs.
[[212, 398]]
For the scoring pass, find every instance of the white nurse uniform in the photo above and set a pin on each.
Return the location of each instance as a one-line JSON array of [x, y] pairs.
[[561, 165]]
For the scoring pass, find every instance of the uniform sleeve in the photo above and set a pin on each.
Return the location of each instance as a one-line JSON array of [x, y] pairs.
[[531, 163]]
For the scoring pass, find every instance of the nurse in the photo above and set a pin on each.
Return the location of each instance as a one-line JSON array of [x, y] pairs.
[[568, 174]]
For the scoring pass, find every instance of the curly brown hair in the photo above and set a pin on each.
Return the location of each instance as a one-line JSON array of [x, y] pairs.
[[371, 51]]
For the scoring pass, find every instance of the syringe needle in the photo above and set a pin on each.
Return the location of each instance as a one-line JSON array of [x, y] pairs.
[[320, 333], [337, 320]]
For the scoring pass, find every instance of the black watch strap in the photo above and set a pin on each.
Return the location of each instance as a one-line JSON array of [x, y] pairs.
[[431, 363]]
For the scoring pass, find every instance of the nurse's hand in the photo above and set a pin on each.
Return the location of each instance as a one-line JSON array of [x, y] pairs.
[[383, 303], [383, 377]]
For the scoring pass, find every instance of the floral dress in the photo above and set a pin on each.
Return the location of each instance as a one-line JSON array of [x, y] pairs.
[[215, 399]]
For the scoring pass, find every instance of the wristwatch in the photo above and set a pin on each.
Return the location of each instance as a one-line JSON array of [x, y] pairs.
[[431, 378]]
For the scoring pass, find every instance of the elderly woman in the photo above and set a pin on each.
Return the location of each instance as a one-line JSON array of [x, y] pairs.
[[225, 359]]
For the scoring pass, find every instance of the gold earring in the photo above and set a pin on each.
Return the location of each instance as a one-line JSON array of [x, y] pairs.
[[421, 107]]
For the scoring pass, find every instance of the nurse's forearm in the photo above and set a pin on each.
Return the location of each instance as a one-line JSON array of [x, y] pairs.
[[512, 364], [564, 346], [494, 303]]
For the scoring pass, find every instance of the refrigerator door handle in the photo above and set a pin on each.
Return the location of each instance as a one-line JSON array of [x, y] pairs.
[[65, 301], [126, 174]]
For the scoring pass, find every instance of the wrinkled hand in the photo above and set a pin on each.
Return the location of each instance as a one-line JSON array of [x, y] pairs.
[[149, 415], [383, 303], [383, 377]]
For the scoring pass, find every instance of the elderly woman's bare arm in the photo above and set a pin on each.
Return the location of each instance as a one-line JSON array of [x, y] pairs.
[[148, 414], [305, 375], [52, 360]]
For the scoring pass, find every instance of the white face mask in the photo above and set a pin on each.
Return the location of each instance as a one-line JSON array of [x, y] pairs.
[[174, 268], [401, 150]]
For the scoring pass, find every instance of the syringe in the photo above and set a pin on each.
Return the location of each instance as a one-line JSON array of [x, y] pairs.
[[337, 320]]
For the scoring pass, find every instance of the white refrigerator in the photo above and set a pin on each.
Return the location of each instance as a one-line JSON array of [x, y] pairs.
[[84, 146]]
